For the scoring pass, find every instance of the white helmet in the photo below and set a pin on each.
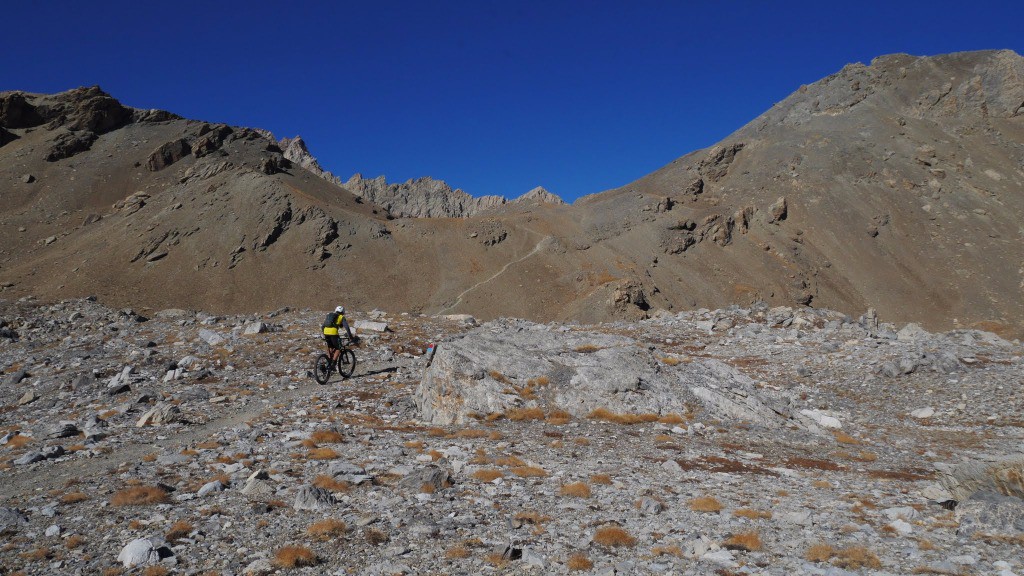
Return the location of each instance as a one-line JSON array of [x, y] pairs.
[[340, 309]]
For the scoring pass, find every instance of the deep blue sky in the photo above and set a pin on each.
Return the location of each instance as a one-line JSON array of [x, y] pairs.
[[492, 97]]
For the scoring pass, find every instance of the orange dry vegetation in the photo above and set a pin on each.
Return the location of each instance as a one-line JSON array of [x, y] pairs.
[[857, 557], [328, 529], [74, 541], [322, 454], [747, 541], [667, 551], [577, 489], [517, 414], [294, 557], [706, 504], [609, 416], [155, 571], [139, 495], [613, 536], [752, 514], [327, 437], [559, 417], [670, 360], [329, 483], [509, 461], [844, 438], [579, 562], [819, 552], [179, 530], [18, 441], [672, 419], [458, 551], [74, 497], [487, 474], [529, 471], [600, 479]]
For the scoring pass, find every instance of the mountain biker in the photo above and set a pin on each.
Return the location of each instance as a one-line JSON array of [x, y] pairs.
[[333, 321]]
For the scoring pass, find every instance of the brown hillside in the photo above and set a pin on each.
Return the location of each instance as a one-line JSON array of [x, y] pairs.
[[902, 184]]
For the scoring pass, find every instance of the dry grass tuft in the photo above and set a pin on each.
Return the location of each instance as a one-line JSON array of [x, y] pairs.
[[587, 349], [672, 418], [844, 438], [139, 495], [74, 541], [706, 504], [746, 541], [326, 530], [606, 415], [376, 536], [671, 360], [178, 530], [601, 479], [820, 552], [752, 514], [487, 474], [532, 517], [509, 461], [579, 562], [327, 437], [328, 482], [519, 414], [458, 551], [209, 445], [74, 497], [322, 454], [155, 571], [294, 557], [559, 417], [576, 489], [18, 441], [613, 536], [529, 471], [857, 557], [924, 544], [667, 551]]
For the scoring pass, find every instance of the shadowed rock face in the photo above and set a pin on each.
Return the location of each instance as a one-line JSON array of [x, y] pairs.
[[895, 185]]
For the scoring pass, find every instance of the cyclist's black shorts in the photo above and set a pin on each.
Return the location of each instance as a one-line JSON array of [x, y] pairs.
[[333, 341]]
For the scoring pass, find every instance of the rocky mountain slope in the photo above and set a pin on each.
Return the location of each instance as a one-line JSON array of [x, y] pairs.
[[748, 440], [430, 198], [895, 186]]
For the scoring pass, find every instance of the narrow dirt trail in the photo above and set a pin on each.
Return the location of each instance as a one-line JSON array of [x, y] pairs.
[[458, 300]]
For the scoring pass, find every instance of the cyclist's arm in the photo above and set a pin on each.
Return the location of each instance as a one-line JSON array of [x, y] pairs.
[[344, 323]]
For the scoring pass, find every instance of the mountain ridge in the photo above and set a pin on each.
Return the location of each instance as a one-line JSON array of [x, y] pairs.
[[894, 185]]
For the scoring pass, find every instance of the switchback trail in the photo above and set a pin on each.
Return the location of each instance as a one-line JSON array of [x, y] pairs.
[[458, 300]]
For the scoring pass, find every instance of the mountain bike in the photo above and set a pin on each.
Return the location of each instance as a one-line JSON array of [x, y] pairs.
[[345, 364]]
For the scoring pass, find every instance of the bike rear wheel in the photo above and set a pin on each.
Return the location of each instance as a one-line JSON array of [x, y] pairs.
[[322, 369], [347, 363]]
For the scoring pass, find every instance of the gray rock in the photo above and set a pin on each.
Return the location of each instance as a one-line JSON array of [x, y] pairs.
[[210, 337], [912, 333], [433, 476], [162, 413], [62, 430], [367, 326], [994, 473], [28, 398], [11, 519], [15, 377], [139, 552], [313, 498], [210, 487], [255, 328]]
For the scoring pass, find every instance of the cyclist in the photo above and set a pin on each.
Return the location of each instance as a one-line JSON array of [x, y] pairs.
[[333, 321]]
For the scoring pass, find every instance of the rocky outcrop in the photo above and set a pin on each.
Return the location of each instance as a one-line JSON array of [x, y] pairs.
[[540, 195], [167, 154], [993, 473], [420, 198], [295, 150], [505, 365]]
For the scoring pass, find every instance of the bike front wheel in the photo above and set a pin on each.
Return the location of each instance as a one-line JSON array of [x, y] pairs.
[[347, 363], [322, 369]]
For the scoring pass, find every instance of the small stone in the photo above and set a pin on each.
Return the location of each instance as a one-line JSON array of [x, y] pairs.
[[922, 413], [313, 498], [214, 486], [28, 398], [210, 337], [138, 552], [53, 530], [255, 328]]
